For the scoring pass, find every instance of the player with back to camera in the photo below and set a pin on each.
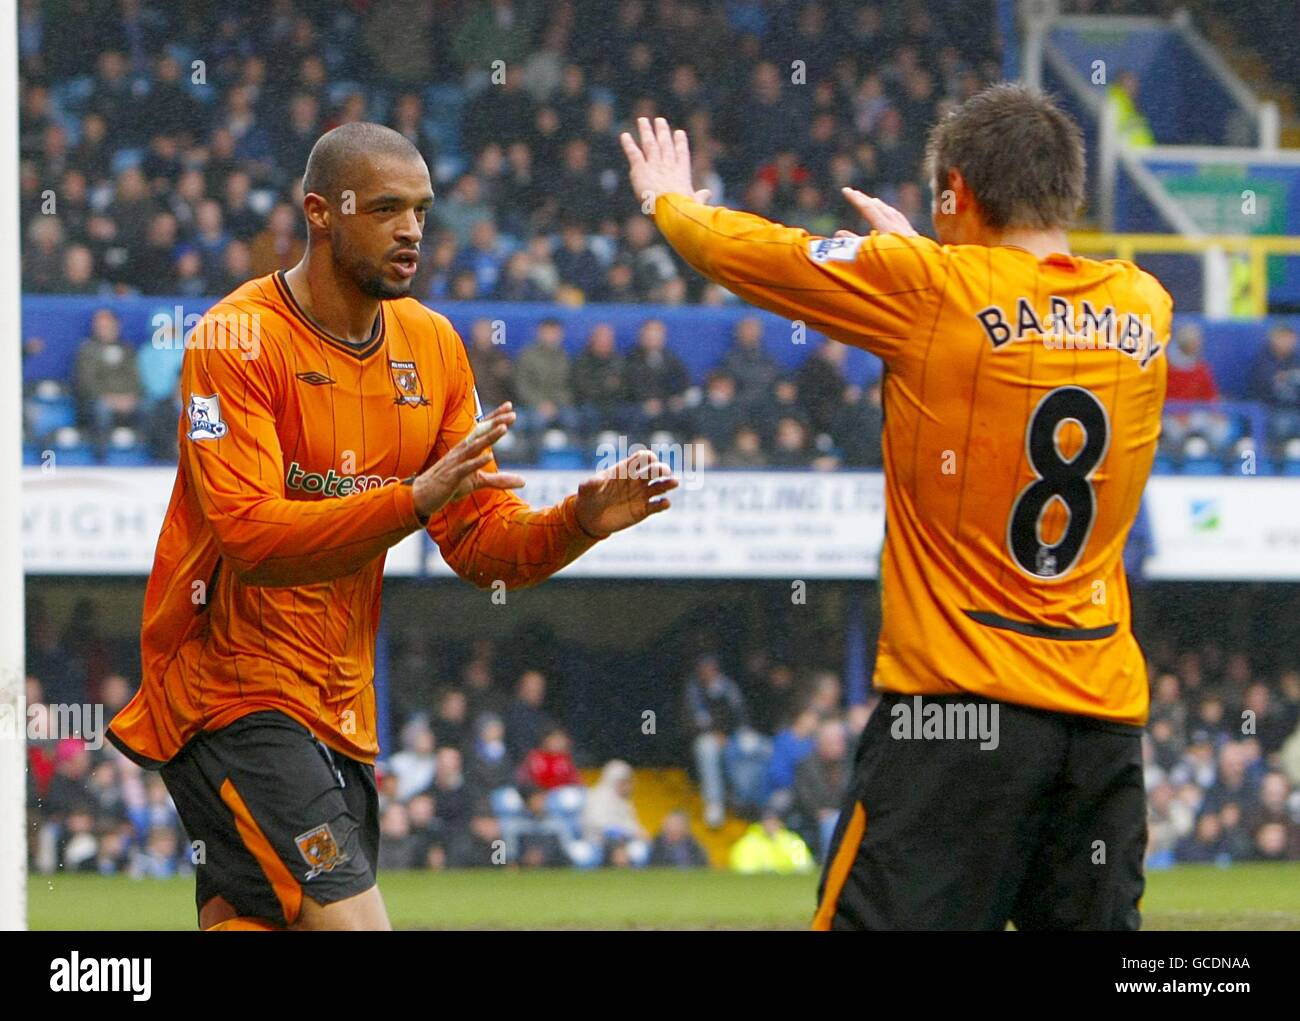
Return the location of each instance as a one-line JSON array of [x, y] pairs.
[[1022, 394]]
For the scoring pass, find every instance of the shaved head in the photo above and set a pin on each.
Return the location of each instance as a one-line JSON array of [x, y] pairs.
[[338, 154], [366, 194]]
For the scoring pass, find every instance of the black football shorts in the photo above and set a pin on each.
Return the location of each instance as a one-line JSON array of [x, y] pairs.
[[274, 816], [945, 828]]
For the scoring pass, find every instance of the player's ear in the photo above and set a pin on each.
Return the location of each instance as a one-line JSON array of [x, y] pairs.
[[958, 192], [317, 211]]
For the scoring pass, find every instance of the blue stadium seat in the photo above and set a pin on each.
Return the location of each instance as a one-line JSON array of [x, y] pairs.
[[1203, 466], [46, 414], [507, 803], [125, 159], [572, 458], [564, 805], [1163, 465], [134, 456], [75, 455]]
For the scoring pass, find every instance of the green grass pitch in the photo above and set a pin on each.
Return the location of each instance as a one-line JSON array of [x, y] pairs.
[[1188, 897]]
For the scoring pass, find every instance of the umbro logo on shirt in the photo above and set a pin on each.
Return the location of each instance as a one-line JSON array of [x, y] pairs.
[[315, 378]]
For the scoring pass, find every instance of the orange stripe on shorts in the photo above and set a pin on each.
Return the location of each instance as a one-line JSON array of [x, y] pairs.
[[286, 888], [839, 870]]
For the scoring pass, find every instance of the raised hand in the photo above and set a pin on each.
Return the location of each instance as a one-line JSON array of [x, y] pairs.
[[882, 216], [661, 163], [459, 472], [624, 493]]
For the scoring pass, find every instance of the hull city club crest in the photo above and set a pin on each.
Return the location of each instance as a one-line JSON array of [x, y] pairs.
[[320, 850], [407, 381]]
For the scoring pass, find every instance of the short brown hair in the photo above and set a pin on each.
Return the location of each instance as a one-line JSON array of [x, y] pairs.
[[1021, 156]]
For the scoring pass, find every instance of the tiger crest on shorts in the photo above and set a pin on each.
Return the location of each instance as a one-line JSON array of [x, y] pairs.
[[320, 850]]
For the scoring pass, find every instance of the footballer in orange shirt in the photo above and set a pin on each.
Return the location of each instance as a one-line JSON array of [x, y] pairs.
[[327, 416], [1000, 778]]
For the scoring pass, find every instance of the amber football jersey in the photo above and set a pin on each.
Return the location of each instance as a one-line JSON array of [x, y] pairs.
[[296, 453], [1022, 401]]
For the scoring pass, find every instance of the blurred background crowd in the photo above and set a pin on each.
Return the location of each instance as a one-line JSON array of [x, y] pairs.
[[495, 762]]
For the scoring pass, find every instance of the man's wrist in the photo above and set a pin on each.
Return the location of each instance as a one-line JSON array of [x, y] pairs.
[[581, 525]]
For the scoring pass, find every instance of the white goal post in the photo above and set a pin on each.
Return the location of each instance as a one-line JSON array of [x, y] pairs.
[[13, 755]]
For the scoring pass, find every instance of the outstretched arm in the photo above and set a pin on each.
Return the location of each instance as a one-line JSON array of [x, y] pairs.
[[867, 291], [488, 534]]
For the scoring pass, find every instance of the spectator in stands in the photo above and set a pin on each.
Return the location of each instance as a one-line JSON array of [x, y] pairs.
[[451, 721], [550, 765], [718, 416], [159, 858], [780, 402], [158, 364], [1233, 781], [240, 219], [279, 246], [767, 846], [653, 265], [1205, 845], [746, 450], [1169, 822], [542, 381], [790, 446], [487, 764], [716, 709], [856, 427], [820, 383], [516, 282], [1192, 379], [152, 269], [426, 832], [675, 847], [493, 369], [416, 764], [463, 208], [484, 256], [478, 845], [657, 381], [609, 819], [78, 272], [454, 796], [236, 268], [1275, 381], [576, 264], [43, 256], [478, 684], [1273, 720], [398, 846], [1130, 123], [599, 379], [790, 747], [820, 782], [526, 721], [1278, 805], [753, 369], [107, 383]]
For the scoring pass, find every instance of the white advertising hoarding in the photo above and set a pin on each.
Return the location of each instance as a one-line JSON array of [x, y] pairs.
[[723, 524]]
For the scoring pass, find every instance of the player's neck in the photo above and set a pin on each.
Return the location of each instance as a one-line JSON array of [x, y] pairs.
[[332, 301], [1039, 243]]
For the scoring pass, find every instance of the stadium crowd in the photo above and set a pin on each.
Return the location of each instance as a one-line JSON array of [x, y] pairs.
[[175, 169], [485, 773], [160, 175]]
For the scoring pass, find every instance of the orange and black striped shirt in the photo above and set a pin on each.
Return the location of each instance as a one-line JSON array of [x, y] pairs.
[[265, 588], [1022, 402]]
